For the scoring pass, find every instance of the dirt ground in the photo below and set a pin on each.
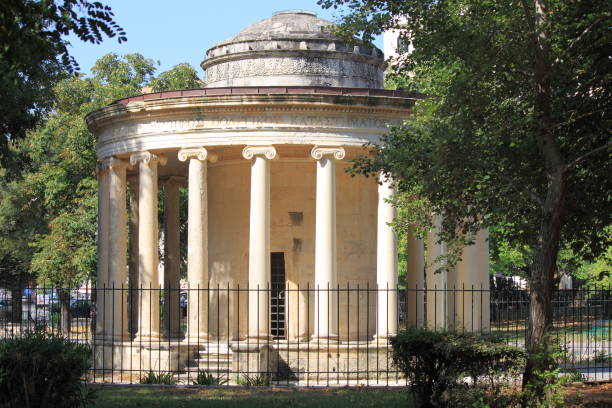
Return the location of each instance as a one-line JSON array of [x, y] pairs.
[[590, 395]]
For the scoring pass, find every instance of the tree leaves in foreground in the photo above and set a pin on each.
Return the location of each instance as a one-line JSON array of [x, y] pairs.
[[48, 213], [516, 127], [34, 56]]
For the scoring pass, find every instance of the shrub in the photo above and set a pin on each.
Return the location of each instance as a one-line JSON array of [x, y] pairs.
[[161, 377], [256, 380], [41, 370], [435, 362], [206, 378]]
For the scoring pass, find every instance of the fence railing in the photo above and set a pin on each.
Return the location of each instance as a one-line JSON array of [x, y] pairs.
[[292, 334]]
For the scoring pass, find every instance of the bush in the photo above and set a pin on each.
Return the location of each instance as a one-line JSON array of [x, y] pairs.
[[206, 378], [255, 380], [435, 362], [43, 370], [161, 377]]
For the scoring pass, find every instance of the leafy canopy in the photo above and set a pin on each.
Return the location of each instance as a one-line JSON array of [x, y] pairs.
[[48, 213], [34, 56], [472, 149]]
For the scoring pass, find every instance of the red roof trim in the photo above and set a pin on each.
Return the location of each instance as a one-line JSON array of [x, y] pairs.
[[255, 90]]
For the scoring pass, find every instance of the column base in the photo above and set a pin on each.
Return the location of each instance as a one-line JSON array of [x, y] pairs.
[[382, 339], [258, 338], [325, 339], [148, 338], [197, 340]]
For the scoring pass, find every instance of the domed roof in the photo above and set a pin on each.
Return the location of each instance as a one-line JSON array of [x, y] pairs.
[[292, 48], [295, 24]]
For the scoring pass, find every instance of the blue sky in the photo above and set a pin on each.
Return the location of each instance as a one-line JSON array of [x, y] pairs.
[[178, 31]]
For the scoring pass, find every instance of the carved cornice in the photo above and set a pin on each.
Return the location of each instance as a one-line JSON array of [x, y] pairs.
[[199, 153], [147, 158], [269, 152], [318, 152]]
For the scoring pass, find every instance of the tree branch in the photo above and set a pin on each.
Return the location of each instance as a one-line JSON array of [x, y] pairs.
[[588, 154], [585, 32], [531, 194]]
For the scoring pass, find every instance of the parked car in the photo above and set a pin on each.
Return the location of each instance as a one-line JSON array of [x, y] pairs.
[[46, 297]]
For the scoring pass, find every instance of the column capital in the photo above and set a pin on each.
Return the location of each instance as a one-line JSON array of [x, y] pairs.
[[199, 153], [318, 152], [146, 157], [111, 162], [269, 152]]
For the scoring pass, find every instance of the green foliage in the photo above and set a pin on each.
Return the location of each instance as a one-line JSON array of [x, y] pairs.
[[34, 57], [161, 377], [254, 380], [546, 388], [206, 378], [514, 129], [48, 209], [435, 362], [181, 76], [43, 370]]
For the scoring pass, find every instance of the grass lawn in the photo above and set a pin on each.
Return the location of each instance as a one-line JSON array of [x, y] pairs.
[[117, 396]]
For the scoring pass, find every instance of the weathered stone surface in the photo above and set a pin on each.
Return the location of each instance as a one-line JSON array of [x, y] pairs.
[[292, 48]]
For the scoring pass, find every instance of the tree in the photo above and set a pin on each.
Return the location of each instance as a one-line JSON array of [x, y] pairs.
[[48, 211], [34, 56], [515, 129]]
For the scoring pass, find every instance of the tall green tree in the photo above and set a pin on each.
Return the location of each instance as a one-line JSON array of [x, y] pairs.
[[34, 56], [48, 212], [515, 129]]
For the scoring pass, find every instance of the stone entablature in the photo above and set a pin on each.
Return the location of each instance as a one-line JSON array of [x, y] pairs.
[[221, 120]]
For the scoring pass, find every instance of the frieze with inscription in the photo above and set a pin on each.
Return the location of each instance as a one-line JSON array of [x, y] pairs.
[[246, 122]]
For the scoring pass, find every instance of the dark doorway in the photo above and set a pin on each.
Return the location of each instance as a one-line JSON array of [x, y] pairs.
[[277, 301]]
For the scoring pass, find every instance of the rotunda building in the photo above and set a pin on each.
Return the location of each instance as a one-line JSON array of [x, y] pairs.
[[283, 244]]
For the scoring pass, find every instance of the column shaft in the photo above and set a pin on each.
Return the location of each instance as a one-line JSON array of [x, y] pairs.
[[415, 279], [103, 249], [386, 262], [326, 280], [259, 249], [172, 271], [148, 243], [116, 306], [259, 241], [197, 244], [133, 282], [437, 301]]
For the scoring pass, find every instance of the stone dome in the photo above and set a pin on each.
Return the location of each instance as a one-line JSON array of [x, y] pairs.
[[292, 48]]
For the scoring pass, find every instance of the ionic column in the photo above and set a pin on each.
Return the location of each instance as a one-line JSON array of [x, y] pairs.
[[259, 241], [386, 262], [326, 280], [116, 305], [483, 282], [172, 267], [148, 242], [472, 299], [437, 301], [103, 246], [415, 279], [133, 259], [197, 243]]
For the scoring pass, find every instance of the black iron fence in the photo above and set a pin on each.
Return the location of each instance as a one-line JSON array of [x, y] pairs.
[[292, 334]]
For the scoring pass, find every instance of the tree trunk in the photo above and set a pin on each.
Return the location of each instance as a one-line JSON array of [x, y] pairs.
[[553, 206], [542, 278], [16, 304], [64, 299]]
